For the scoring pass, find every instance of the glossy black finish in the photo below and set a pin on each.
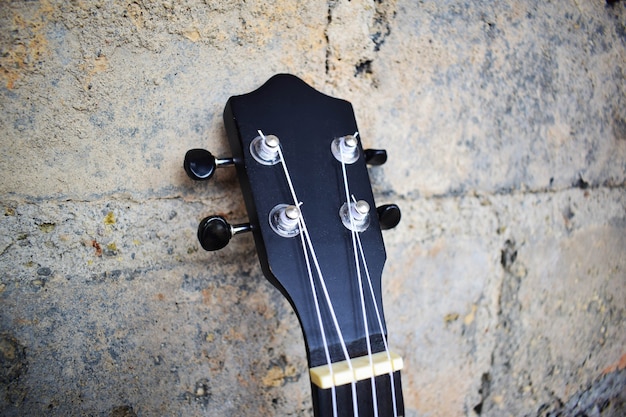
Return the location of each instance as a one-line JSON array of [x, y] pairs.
[[375, 156], [214, 233], [306, 122], [199, 164], [389, 216]]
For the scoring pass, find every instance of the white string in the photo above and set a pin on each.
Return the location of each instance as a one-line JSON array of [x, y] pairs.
[[305, 232], [319, 319], [376, 309], [380, 324], [358, 273]]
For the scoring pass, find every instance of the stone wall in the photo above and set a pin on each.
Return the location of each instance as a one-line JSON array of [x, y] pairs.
[[505, 124]]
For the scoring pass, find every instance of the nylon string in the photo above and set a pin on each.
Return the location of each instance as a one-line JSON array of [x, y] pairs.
[[305, 236], [319, 320], [360, 281], [382, 331], [356, 236]]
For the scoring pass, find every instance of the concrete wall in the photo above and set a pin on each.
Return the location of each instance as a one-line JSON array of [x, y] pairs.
[[505, 123]]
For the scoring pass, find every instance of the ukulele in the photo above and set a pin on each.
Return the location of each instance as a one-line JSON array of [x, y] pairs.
[[317, 232]]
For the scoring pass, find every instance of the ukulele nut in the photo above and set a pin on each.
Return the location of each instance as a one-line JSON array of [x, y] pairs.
[[264, 149], [285, 220], [355, 216], [345, 149]]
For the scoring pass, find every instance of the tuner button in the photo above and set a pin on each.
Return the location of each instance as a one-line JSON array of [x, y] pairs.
[[375, 156], [214, 232], [200, 164], [388, 216]]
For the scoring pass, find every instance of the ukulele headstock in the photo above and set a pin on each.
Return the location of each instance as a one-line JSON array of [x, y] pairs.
[[303, 173]]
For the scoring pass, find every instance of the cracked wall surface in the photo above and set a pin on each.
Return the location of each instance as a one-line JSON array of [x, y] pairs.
[[505, 125]]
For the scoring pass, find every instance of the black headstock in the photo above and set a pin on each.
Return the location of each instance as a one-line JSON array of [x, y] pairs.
[[295, 149]]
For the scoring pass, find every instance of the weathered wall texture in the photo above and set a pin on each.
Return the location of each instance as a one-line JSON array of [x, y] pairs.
[[505, 122]]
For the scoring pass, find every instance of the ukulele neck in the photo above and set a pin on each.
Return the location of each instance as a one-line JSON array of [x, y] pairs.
[[303, 173], [366, 382], [387, 399]]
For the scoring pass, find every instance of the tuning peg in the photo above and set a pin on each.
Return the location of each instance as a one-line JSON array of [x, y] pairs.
[[200, 164], [214, 232], [388, 216], [375, 156]]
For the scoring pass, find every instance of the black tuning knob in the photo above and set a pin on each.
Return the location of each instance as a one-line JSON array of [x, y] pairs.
[[214, 232], [388, 216], [375, 156], [200, 164]]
